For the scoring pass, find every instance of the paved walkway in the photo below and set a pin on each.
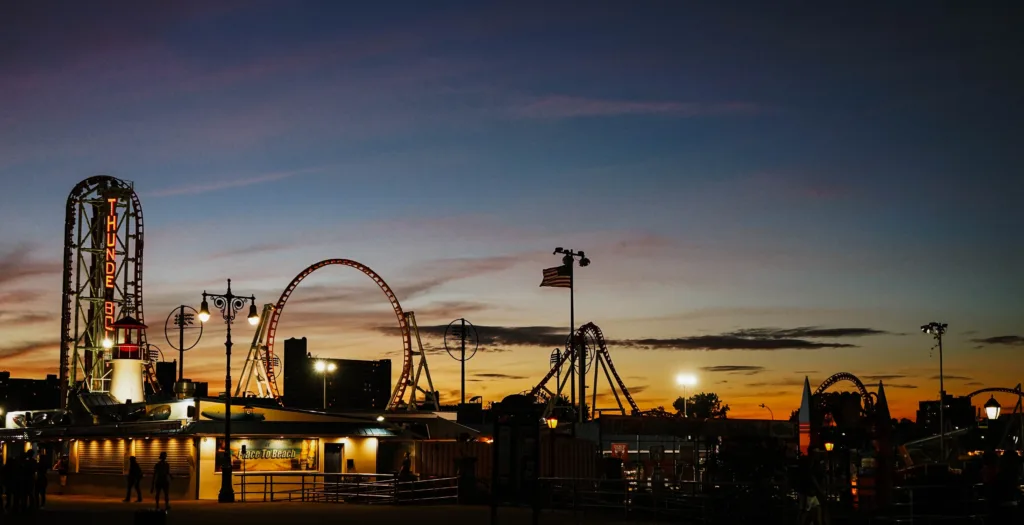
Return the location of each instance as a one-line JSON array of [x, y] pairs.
[[87, 511]]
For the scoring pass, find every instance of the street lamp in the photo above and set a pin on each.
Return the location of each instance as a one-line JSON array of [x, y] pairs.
[[229, 305], [552, 423], [992, 408], [568, 258], [829, 446], [762, 405], [323, 369], [938, 330], [685, 380]]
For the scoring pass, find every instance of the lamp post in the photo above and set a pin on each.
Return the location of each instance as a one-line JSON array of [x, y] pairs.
[[568, 259], [685, 380], [552, 423], [764, 406], [229, 305], [323, 369], [937, 330], [992, 408]]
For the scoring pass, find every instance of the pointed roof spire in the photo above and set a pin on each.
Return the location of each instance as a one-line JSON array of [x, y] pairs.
[[805, 403], [882, 405]]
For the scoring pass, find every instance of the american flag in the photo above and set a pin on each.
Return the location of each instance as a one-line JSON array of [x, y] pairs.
[[558, 277]]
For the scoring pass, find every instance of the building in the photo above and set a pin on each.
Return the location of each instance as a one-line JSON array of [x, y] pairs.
[[166, 375], [959, 414], [28, 394], [351, 385]]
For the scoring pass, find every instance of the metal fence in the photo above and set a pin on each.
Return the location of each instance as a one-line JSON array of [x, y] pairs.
[[347, 488], [680, 502]]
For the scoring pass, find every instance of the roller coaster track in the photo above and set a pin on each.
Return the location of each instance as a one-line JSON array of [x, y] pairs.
[[587, 332], [1015, 391], [72, 291], [404, 381], [868, 397]]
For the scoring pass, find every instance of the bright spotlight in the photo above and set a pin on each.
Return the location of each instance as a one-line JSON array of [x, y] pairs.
[[107, 343], [320, 366], [686, 380], [331, 367]]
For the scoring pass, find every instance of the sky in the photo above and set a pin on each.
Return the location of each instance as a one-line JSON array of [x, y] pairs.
[[767, 192]]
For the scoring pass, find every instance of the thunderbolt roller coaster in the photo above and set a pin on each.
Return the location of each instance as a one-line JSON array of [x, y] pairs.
[[259, 378], [102, 282]]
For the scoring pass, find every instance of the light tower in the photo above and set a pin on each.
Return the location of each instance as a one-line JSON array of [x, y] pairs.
[[938, 330]]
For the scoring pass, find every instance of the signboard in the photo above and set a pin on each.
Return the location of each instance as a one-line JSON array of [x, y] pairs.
[[621, 451], [110, 268], [271, 455]]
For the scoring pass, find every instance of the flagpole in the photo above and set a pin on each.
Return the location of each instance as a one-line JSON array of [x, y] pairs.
[[568, 264]]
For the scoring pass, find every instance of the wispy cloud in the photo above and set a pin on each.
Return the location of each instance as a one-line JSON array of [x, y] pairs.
[[884, 377], [20, 318], [806, 331], [1001, 340], [560, 106], [747, 370], [730, 342], [899, 385], [16, 264], [953, 378], [498, 376], [26, 348], [219, 185], [554, 336]]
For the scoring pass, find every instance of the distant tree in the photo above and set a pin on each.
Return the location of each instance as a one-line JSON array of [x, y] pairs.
[[705, 405]]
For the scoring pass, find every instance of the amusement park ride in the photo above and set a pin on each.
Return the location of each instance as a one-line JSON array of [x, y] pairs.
[[102, 298], [103, 256]]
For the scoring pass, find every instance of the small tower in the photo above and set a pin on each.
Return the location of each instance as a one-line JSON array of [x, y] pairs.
[[127, 360], [804, 418]]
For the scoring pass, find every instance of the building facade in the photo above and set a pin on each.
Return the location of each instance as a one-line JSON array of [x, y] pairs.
[[28, 394], [349, 385], [959, 414]]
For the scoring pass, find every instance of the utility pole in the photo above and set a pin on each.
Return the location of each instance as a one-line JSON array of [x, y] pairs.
[[938, 330]]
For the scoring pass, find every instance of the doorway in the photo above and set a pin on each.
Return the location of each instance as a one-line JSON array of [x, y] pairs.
[[332, 457]]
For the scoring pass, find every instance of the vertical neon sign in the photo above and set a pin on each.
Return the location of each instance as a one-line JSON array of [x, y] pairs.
[[110, 268]]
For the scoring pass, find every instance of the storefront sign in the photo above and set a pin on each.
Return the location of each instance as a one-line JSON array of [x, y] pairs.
[[110, 268], [271, 455], [621, 451]]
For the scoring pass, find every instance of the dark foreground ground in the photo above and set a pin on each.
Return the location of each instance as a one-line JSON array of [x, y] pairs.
[[87, 511]]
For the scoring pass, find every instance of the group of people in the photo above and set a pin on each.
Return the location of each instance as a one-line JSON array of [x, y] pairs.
[[24, 481], [161, 481]]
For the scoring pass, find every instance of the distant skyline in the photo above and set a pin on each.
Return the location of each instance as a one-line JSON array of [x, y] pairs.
[[766, 193]]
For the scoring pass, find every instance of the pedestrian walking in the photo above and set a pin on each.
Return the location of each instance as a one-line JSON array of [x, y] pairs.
[[134, 480], [42, 481], [62, 471], [162, 481], [28, 482]]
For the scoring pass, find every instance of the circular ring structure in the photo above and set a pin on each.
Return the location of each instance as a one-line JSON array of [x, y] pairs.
[[191, 314], [398, 394], [455, 332]]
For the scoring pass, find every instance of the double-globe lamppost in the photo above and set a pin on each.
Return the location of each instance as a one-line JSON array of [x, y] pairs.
[[229, 305], [323, 369]]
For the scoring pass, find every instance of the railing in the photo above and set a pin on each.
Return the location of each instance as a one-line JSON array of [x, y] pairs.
[[347, 488], [682, 502], [921, 504]]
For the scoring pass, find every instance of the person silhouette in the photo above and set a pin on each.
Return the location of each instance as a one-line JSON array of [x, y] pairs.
[[162, 481], [134, 480]]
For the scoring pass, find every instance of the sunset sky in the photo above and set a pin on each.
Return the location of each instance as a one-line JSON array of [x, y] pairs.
[[766, 193]]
